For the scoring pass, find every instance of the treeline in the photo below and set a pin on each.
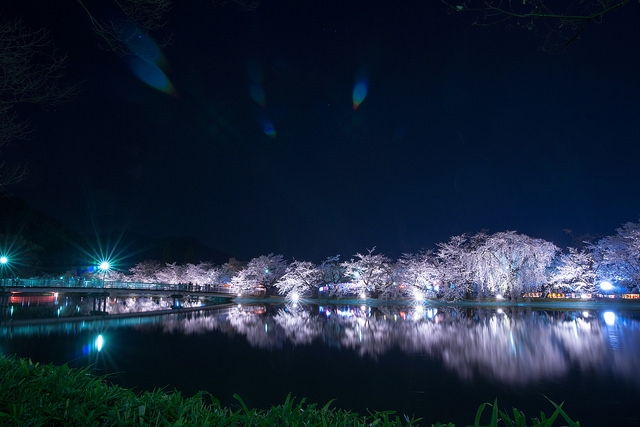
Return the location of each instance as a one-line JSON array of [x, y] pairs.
[[486, 265]]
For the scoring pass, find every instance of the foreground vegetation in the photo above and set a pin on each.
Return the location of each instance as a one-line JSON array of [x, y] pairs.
[[36, 394]]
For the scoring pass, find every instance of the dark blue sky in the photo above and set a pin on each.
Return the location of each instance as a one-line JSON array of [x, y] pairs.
[[464, 128]]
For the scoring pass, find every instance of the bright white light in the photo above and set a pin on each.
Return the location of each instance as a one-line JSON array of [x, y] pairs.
[[499, 296], [363, 295], [606, 286], [609, 318], [584, 296], [4, 259], [500, 311], [99, 342], [104, 266], [585, 314], [294, 297]]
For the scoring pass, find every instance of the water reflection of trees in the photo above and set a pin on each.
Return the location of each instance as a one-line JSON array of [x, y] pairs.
[[515, 346]]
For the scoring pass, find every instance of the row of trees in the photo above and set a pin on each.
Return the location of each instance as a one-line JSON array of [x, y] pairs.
[[505, 263]]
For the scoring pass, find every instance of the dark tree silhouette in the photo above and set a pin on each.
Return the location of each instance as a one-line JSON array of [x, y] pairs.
[[32, 70], [30, 73], [558, 22]]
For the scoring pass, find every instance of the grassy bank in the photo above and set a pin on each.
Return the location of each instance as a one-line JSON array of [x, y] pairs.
[[36, 394]]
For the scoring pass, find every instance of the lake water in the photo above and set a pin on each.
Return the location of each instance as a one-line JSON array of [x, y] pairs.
[[436, 362]]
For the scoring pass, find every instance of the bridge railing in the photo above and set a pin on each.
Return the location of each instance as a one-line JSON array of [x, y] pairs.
[[99, 284]]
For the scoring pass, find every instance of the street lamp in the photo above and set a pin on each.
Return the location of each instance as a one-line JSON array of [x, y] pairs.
[[606, 286], [104, 266], [4, 263]]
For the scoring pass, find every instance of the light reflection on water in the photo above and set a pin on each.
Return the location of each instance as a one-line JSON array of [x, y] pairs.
[[514, 346], [511, 346], [508, 352]]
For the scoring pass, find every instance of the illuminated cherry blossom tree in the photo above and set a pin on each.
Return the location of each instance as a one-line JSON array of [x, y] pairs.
[[513, 263], [261, 272], [619, 256], [332, 274], [370, 273], [576, 272], [204, 273], [300, 278], [145, 272], [457, 266], [417, 274], [172, 274]]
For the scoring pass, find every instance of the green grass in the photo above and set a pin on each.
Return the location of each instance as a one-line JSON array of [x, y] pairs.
[[33, 394]]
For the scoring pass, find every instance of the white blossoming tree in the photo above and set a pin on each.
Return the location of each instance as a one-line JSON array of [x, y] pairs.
[[417, 274], [300, 278], [512, 263], [576, 272], [457, 265], [370, 273], [145, 272], [171, 273], [260, 273], [332, 275], [619, 257]]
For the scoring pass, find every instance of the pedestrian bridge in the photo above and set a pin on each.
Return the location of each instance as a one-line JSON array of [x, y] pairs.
[[106, 288]]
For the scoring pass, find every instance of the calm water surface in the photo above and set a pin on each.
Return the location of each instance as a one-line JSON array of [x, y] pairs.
[[438, 363]]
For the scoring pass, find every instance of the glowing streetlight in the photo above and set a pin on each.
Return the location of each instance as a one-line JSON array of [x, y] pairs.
[[294, 297], [4, 263], [606, 286], [104, 266]]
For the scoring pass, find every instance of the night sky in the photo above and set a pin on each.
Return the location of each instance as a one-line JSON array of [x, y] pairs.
[[260, 150]]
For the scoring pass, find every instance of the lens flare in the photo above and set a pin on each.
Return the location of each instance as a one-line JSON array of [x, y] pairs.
[[151, 74], [140, 43], [146, 61], [16, 254], [360, 91], [269, 129], [257, 94]]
